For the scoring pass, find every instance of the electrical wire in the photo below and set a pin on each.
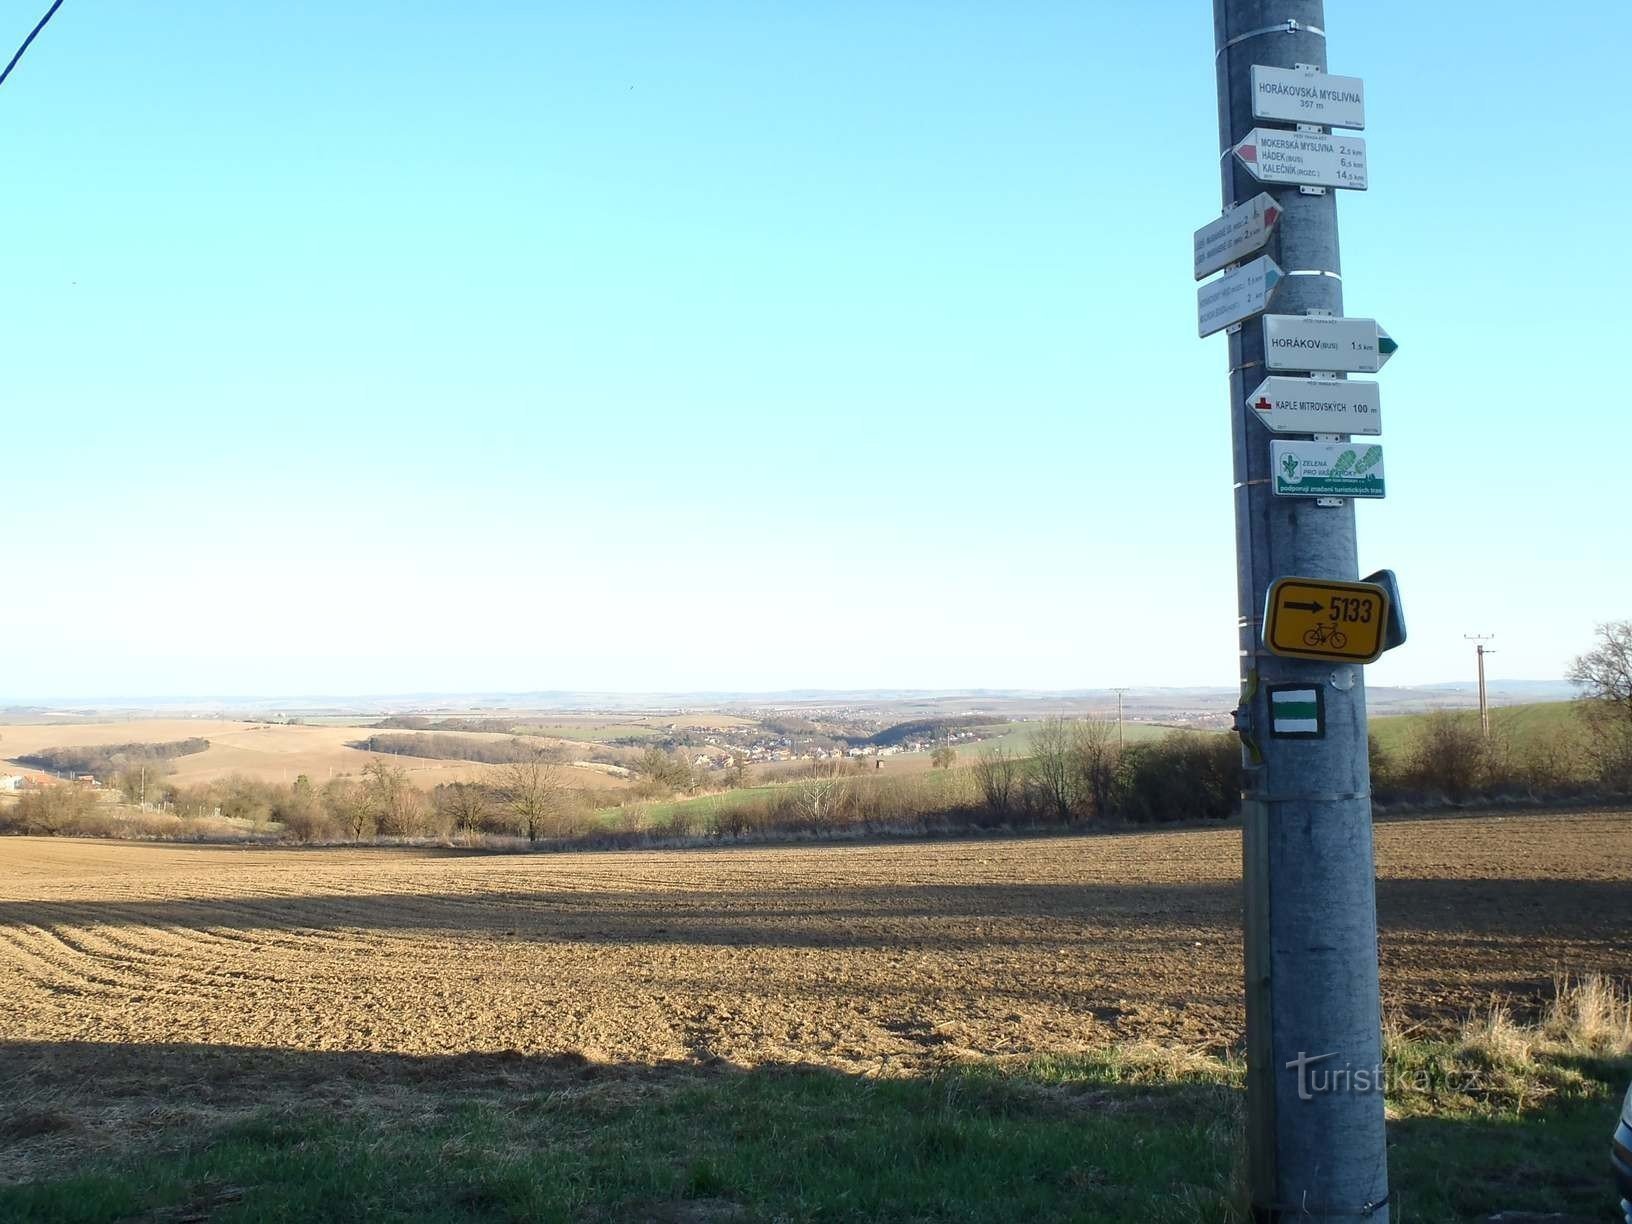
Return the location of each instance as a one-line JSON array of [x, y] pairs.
[[32, 35]]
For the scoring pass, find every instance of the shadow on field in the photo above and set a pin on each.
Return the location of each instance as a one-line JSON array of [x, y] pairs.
[[950, 916], [168, 1133], [182, 1132]]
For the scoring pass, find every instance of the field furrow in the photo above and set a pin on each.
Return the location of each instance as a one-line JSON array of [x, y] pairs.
[[876, 957]]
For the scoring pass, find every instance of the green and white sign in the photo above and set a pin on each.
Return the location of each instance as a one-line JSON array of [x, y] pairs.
[[1296, 712], [1327, 469]]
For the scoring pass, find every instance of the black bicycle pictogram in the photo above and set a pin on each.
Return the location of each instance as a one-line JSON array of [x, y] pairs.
[[1321, 635]]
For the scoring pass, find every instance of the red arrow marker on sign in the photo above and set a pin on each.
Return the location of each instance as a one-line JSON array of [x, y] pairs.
[[1247, 152], [1271, 215]]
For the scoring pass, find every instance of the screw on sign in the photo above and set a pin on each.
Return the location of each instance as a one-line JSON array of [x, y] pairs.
[[1319, 618]]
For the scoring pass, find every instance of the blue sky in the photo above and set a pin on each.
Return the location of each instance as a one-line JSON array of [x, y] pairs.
[[401, 347]]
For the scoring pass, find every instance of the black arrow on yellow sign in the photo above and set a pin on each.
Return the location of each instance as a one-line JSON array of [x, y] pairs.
[[1312, 606]]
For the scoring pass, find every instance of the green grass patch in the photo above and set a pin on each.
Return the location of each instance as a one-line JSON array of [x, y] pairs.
[[1016, 738], [1062, 1141], [1521, 724], [590, 733], [1144, 1133]]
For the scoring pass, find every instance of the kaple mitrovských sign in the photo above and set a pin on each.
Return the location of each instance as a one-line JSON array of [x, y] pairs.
[[1317, 405], [1309, 159], [1306, 95]]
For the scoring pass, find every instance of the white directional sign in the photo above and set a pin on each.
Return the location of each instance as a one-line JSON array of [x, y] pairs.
[[1327, 469], [1302, 95], [1317, 405], [1235, 235], [1321, 342], [1239, 294], [1309, 159]]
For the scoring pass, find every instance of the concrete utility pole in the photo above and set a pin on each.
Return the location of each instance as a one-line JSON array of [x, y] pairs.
[[1121, 742], [1314, 1042], [1480, 651]]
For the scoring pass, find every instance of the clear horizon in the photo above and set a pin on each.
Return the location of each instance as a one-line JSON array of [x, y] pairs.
[[753, 350]]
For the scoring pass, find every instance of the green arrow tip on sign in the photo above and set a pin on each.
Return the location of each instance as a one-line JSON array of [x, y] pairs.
[[1386, 345]]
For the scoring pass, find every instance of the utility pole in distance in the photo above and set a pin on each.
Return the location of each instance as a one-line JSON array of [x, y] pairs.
[[1314, 1044], [1480, 651], [1121, 741]]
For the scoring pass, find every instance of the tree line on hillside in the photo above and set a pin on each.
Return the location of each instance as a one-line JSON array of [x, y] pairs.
[[526, 799], [924, 729], [460, 748], [107, 763]]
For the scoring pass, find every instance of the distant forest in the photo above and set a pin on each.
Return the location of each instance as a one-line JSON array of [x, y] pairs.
[[458, 748], [104, 761]]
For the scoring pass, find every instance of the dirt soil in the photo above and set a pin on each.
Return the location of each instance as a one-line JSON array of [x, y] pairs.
[[872, 958]]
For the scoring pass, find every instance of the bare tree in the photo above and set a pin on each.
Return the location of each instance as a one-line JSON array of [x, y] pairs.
[[1604, 675], [349, 804], [397, 805], [818, 793], [1095, 755], [943, 757], [465, 805], [997, 772], [1052, 765], [531, 790]]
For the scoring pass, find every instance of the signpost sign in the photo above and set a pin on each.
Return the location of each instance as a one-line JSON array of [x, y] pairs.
[[1235, 235], [1303, 95], [1239, 294], [1317, 405], [1309, 159], [1326, 469], [1320, 618], [1324, 342]]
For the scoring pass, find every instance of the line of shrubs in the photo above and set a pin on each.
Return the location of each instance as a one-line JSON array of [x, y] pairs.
[[1452, 760], [462, 748], [105, 761]]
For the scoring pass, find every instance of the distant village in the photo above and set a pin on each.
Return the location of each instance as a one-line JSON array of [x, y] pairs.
[[720, 748]]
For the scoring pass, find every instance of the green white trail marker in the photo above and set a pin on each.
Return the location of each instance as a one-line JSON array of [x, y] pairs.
[[1296, 712]]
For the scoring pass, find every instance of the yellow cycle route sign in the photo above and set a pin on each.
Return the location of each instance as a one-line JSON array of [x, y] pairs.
[[1319, 618]]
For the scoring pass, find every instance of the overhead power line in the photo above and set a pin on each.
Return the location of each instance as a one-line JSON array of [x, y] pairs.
[[32, 35]]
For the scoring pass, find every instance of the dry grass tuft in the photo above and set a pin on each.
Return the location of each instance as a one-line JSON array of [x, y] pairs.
[[1495, 1037], [1591, 1013]]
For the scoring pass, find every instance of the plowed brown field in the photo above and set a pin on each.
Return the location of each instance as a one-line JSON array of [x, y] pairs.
[[859, 956], [149, 992]]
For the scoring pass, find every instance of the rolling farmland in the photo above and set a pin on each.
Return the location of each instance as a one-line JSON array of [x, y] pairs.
[[267, 752]]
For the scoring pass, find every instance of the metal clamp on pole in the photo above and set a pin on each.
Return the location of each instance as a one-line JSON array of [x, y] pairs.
[[1306, 796], [1289, 26], [1305, 1211]]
